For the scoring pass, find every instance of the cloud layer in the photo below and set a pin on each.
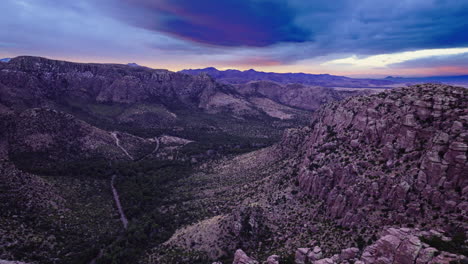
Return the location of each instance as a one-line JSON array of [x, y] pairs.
[[214, 22], [266, 34]]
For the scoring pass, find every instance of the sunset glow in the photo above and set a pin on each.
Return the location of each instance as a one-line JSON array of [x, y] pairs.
[[274, 35]]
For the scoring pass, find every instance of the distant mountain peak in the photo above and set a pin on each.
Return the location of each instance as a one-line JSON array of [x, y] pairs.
[[210, 69], [132, 64], [232, 76]]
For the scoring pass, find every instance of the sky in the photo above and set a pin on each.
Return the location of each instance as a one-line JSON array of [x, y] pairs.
[[358, 38]]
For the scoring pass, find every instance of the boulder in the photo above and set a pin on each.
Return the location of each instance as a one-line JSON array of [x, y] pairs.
[[315, 254], [273, 259], [240, 257], [349, 253], [301, 255], [324, 261]]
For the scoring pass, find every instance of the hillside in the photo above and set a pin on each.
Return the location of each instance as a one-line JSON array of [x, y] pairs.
[[41, 138], [70, 129], [205, 171], [325, 80], [143, 101], [297, 95], [394, 159]]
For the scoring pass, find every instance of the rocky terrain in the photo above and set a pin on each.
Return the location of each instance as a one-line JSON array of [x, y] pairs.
[[148, 102], [393, 159], [141, 96], [324, 80], [375, 178], [403, 245], [40, 137], [296, 95]]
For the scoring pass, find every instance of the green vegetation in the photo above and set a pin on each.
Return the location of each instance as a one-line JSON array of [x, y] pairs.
[[145, 188]]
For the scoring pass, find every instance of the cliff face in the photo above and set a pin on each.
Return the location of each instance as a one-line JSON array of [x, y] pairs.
[[36, 79], [142, 99], [394, 157]]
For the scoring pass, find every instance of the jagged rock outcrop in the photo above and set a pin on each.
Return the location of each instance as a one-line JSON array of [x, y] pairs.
[[397, 245], [364, 163], [39, 78], [308, 255], [39, 82], [402, 246], [394, 157]]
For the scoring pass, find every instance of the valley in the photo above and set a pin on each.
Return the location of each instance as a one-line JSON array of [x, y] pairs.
[[110, 163]]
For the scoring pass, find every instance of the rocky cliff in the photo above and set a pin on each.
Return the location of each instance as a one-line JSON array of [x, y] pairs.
[[38, 82], [394, 159], [37, 79], [142, 100], [396, 245]]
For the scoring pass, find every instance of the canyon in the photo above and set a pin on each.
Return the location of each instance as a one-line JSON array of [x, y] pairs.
[[137, 165]]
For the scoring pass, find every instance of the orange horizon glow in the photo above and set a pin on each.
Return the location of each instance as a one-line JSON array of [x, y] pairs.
[[267, 65]]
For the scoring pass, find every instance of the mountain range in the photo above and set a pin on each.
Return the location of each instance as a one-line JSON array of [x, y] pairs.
[[324, 80], [461, 79], [109, 163]]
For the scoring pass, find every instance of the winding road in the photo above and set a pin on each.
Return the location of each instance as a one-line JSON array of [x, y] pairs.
[[123, 218], [115, 194], [152, 152], [117, 142]]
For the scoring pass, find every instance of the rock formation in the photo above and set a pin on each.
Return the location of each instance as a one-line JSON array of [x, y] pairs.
[[393, 159], [241, 258], [326, 80]]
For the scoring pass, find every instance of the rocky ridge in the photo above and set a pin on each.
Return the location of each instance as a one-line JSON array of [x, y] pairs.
[[326, 80], [143, 101], [396, 245], [296, 95], [38, 82], [366, 164], [407, 146]]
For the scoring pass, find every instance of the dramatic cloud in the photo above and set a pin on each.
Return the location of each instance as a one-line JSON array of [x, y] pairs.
[[280, 35], [214, 22]]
